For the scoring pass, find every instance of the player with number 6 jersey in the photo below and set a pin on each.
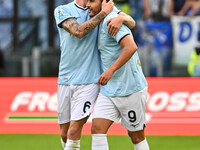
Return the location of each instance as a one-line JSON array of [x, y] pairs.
[[79, 68]]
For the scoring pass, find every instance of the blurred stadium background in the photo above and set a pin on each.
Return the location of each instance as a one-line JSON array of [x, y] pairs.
[[29, 48]]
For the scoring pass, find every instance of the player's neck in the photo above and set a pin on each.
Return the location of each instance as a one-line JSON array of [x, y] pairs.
[[81, 3]]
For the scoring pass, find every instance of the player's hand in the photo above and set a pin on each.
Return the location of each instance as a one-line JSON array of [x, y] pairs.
[[114, 24], [105, 77], [107, 7]]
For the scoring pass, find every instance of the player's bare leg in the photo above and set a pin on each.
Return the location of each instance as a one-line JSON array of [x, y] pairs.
[[63, 133], [137, 136], [74, 134], [75, 128], [100, 125], [139, 140], [99, 129]]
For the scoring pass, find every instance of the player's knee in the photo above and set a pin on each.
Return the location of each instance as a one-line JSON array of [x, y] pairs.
[[137, 140], [100, 126], [136, 137], [97, 128], [73, 131]]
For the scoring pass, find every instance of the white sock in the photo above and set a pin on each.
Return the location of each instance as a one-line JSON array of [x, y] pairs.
[[99, 142], [143, 145], [72, 145], [63, 143]]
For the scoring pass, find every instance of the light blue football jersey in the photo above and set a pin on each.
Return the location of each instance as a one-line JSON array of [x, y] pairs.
[[129, 78], [79, 61]]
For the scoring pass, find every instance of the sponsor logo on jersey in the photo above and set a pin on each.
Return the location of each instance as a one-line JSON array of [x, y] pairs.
[[60, 14], [134, 125]]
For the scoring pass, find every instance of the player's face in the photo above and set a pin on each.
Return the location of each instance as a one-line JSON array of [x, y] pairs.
[[94, 7]]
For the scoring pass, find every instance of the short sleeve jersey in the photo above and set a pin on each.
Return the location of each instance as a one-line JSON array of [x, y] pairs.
[[129, 78], [79, 61]]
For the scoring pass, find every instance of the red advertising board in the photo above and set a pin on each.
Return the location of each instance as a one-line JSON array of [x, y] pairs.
[[28, 105]]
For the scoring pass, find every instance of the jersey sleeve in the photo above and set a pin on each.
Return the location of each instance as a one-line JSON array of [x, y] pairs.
[[61, 14], [123, 31], [116, 10]]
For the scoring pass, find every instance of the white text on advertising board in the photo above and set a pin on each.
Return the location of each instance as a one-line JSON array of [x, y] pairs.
[[159, 101]]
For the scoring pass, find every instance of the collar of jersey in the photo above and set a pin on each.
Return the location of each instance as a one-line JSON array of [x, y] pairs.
[[80, 6]]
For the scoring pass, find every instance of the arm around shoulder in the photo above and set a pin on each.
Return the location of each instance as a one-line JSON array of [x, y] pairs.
[[127, 20], [115, 23], [80, 30]]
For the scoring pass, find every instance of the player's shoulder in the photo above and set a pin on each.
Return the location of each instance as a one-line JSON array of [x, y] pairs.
[[109, 16], [64, 7]]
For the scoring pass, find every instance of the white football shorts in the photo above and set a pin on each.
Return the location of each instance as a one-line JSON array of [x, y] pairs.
[[76, 102], [130, 109]]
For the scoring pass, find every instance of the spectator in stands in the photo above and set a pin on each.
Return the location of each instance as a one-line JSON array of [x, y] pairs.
[[190, 8], [156, 10], [136, 12], [184, 7], [136, 9], [194, 64], [175, 6]]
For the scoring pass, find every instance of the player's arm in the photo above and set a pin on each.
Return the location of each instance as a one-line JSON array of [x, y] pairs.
[[129, 48], [114, 24], [127, 20], [80, 30]]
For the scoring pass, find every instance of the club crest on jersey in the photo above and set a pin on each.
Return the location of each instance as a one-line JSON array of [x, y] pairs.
[[60, 14]]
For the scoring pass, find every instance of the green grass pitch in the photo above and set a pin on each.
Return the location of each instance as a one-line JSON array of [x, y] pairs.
[[52, 142]]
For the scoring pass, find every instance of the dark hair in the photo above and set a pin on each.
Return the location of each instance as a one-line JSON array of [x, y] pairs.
[[106, 0]]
